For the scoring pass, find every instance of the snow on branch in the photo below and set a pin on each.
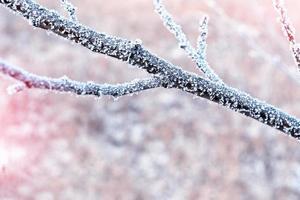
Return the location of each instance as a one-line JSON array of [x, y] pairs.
[[166, 74], [64, 84], [288, 30], [198, 56]]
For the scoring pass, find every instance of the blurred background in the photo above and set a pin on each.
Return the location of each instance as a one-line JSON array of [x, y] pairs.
[[159, 144]]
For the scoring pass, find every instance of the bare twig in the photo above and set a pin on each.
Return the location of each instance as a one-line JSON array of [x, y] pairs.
[[65, 84], [288, 30], [184, 43], [171, 76]]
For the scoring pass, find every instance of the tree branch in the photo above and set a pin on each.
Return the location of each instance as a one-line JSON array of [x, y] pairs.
[[64, 84], [171, 76]]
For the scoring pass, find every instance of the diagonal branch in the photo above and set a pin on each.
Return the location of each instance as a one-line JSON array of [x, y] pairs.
[[171, 76], [287, 28], [64, 84]]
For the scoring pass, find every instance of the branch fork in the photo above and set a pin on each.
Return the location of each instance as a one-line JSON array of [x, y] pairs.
[[163, 73]]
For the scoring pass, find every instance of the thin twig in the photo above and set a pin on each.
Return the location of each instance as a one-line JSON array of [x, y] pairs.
[[65, 84], [184, 43], [288, 30]]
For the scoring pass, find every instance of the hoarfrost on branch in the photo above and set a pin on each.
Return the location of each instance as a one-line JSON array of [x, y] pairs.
[[164, 74], [64, 84]]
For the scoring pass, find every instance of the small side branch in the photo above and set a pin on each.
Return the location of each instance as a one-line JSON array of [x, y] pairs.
[[197, 56], [64, 84], [288, 30], [68, 6]]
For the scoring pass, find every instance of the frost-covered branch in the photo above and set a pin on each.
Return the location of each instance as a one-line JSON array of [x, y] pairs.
[[198, 56], [64, 84], [288, 30], [170, 76]]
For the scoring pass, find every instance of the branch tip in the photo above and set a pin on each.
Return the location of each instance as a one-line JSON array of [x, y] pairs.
[[202, 38], [288, 30]]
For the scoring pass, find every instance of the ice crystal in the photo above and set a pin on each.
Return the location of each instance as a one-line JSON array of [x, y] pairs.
[[13, 89], [138, 42]]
